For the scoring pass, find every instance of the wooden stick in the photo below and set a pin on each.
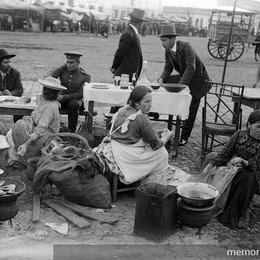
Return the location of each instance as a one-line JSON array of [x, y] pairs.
[[86, 212], [67, 214]]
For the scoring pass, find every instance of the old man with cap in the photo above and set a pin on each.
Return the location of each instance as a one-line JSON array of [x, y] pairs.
[[73, 78], [128, 58], [10, 78], [181, 57]]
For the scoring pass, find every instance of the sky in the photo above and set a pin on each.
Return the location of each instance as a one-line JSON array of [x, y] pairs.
[[191, 3]]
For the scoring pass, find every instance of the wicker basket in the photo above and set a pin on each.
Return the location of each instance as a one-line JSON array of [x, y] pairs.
[[67, 139]]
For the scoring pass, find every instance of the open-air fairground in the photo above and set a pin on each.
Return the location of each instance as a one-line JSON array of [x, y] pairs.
[[38, 53]]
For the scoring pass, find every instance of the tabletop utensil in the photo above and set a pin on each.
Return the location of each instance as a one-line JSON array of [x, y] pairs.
[[99, 86], [117, 81]]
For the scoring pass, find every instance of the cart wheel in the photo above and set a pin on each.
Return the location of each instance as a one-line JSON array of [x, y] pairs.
[[236, 49], [213, 48]]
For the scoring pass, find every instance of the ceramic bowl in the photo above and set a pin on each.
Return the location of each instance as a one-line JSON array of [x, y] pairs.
[[174, 87], [155, 86]]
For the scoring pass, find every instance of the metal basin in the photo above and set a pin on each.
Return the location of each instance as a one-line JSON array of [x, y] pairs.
[[197, 194]]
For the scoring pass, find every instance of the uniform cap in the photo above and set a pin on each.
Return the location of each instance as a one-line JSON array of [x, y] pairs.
[[73, 55]]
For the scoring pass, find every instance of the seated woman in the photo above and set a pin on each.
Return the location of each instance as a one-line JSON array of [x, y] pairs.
[[29, 134], [244, 146], [134, 150]]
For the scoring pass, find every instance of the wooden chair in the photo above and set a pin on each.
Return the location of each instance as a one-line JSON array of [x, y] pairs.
[[218, 116], [115, 189]]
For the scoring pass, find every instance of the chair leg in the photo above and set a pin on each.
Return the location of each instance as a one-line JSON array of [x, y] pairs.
[[203, 148], [211, 142], [114, 187]]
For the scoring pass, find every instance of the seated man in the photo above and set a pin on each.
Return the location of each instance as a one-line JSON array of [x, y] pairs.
[[10, 78], [73, 78]]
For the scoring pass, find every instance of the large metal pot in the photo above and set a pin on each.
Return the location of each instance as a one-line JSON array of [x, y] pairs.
[[194, 217], [8, 202], [197, 194]]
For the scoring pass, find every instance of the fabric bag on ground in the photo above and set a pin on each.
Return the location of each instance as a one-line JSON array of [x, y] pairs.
[[77, 179]]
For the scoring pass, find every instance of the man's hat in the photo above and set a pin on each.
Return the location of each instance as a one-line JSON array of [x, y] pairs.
[[5, 55], [168, 30], [138, 14], [51, 83], [73, 55]]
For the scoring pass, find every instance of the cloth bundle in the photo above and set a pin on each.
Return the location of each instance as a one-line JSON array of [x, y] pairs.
[[76, 176]]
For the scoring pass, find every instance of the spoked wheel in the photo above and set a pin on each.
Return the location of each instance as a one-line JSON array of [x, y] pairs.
[[236, 49], [213, 48]]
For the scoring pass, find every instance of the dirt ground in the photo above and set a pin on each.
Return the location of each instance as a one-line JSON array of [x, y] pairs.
[[37, 53]]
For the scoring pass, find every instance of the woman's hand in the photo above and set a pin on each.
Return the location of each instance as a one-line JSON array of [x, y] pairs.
[[165, 132], [238, 161], [60, 98], [166, 135], [22, 149], [160, 81]]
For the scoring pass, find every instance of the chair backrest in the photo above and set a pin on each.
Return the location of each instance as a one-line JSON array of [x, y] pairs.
[[222, 104]]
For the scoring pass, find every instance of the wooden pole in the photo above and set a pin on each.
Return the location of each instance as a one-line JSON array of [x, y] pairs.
[[229, 40]]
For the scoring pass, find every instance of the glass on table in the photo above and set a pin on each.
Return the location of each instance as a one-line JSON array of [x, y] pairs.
[[117, 81]]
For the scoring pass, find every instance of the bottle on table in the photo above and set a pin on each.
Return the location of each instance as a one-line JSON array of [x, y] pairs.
[[134, 80], [124, 82], [143, 79]]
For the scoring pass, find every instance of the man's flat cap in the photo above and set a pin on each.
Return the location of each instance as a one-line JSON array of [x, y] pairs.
[[73, 55]]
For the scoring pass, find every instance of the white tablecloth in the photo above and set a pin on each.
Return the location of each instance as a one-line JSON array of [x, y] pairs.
[[164, 102], [252, 93]]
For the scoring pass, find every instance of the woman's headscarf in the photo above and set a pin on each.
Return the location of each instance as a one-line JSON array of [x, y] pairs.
[[254, 117]]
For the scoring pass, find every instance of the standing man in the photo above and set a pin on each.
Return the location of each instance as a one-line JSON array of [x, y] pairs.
[[73, 78], [10, 78], [183, 58], [128, 58]]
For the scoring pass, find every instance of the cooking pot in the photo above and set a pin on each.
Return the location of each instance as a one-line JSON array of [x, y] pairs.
[[197, 194], [8, 202], [194, 217]]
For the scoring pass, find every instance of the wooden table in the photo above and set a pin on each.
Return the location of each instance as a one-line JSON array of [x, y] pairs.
[[10, 108], [251, 98], [174, 105]]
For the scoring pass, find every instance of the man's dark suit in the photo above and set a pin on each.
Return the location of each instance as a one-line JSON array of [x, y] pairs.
[[128, 58], [192, 73], [12, 82]]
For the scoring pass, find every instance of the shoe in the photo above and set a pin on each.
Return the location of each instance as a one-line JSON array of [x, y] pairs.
[[182, 142]]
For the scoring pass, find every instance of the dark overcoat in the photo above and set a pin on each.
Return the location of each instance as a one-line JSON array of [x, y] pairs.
[[128, 58], [190, 67], [12, 82]]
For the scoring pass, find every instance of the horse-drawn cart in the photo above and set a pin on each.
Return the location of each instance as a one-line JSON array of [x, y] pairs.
[[219, 31]]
